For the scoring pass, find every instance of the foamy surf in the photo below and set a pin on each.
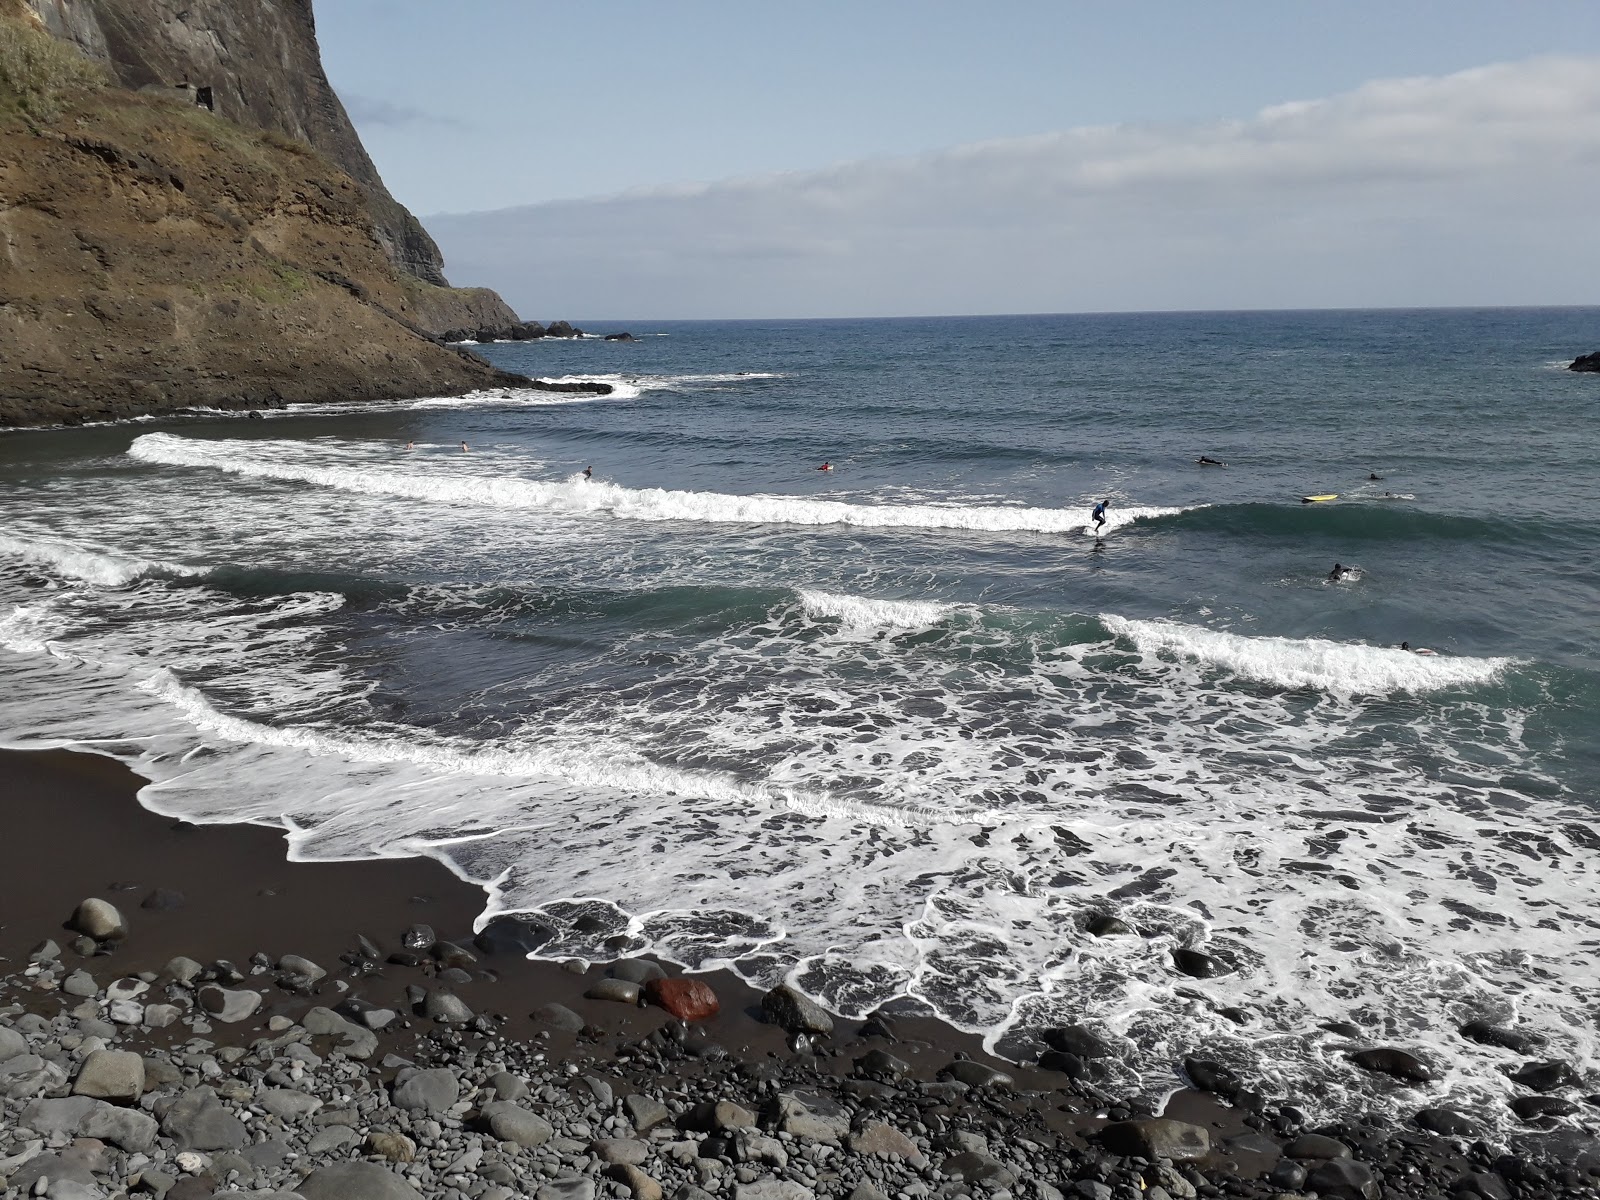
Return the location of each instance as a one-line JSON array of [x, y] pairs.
[[865, 613], [596, 498], [1340, 668], [86, 563]]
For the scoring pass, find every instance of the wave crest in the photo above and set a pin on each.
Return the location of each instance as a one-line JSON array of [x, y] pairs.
[[1337, 667]]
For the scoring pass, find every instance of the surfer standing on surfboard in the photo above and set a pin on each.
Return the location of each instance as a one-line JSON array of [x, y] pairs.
[[1098, 516]]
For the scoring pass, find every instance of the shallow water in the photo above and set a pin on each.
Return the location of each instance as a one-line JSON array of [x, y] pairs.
[[900, 729]]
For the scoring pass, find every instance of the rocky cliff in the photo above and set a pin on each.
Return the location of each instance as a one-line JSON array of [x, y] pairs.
[[155, 255], [257, 63]]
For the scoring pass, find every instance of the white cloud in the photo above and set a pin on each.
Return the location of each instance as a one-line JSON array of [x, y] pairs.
[[1476, 187]]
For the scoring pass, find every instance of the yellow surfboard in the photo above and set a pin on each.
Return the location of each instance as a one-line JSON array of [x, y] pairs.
[[1318, 499]]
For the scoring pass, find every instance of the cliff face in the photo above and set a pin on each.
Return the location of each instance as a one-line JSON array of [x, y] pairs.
[[153, 256], [263, 68]]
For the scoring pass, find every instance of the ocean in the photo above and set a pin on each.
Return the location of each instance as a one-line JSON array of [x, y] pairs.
[[900, 731]]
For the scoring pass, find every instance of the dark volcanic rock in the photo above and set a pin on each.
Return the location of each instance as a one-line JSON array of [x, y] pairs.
[[621, 337], [585, 386], [1198, 964], [1105, 925], [511, 935], [1529, 1107], [1387, 1060], [1486, 1034], [1076, 1040], [1210, 1076], [1447, 1122], [1586, 362], [1157, 1138], [1345, 1179], [1545, 1076], [795, 1012]]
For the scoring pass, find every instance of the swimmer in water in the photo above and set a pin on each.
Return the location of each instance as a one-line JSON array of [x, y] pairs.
[[827, 466], [411, 445], [1374, 476], [1206, 461], [463, 445], [1337, 573]]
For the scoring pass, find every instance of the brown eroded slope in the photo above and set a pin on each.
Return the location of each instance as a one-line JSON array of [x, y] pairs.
[[154, 256]]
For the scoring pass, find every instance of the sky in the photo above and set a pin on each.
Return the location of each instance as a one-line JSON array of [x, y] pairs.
[[889, 157]]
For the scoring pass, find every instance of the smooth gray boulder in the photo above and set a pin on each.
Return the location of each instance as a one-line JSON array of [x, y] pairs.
[[795, 1012], [430, 1091], [98, 919], [446, 1008], [288, 1105], [1157, 1137], [619, 990], [197, 1121], [12, 1043], [354, 1041], [115, 1075], [355, 1181], [511, 1123], [228, 1004]]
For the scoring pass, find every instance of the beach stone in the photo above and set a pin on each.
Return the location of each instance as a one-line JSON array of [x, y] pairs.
[[99, 920], [197, 1121], [334, 1137], [508, 1086], [796, 1012], [1344, 1179], [446, 1008], [976, 1074], [1446, 1122], [509, 935], [12, 1043], [128, 1128], [619, 990], [878, 1138], [126, 988], [639, 1184], [881, 1062], [1157, 1137], [46, 951], [353, 1040], [1316, 1146], [396, 1147], [567, 1187], [636, 970], [355, 1181], [1077, 1040], [644, 1112], [126, 1012], [865, 1191], [418, 937], [448, 954], [116, 1075], [559, 1017], [288, 1105], [182, 970], [159, 1016], [59, 1116], [73, 1166], [1487, 1034], [159, 1072], [617, 1151], [1105, 925], [686, 999], [512, 1123], [974, 1166], [26, 1075], [1197, 964], [1287, 1174], [429, 1091], [228, 1005], [1387, 1060], [1545, 1076], [721, 1116], [300, 971], [80, 983], [772, 1189], [1531, 1107]]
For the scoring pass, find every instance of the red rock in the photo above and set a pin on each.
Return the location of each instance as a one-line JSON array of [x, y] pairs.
[[686, 999]]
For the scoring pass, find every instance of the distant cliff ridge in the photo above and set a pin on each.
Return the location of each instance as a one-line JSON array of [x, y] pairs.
[[257, 62], [159, 254]]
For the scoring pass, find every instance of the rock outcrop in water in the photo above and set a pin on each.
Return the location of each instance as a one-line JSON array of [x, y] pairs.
[[1586, 362], [226, 243]]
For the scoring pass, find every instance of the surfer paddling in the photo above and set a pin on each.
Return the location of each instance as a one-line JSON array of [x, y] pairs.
[[1205, 460], [827, 466]]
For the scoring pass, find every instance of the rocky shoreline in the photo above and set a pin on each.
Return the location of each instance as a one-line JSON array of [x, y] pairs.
[[205, 1019]]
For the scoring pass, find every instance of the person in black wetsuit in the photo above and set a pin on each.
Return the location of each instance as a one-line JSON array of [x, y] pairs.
[[1337, 573], [588, 472]]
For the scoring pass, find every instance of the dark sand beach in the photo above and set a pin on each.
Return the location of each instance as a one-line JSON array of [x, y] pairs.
[[906, 1105]]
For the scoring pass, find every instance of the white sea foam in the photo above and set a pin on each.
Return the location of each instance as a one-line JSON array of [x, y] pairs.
[[1338, 667], [863, 612], [279, 461], [87, 563]]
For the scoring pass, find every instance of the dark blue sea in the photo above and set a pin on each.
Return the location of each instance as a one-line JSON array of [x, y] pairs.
[[899, 731]]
